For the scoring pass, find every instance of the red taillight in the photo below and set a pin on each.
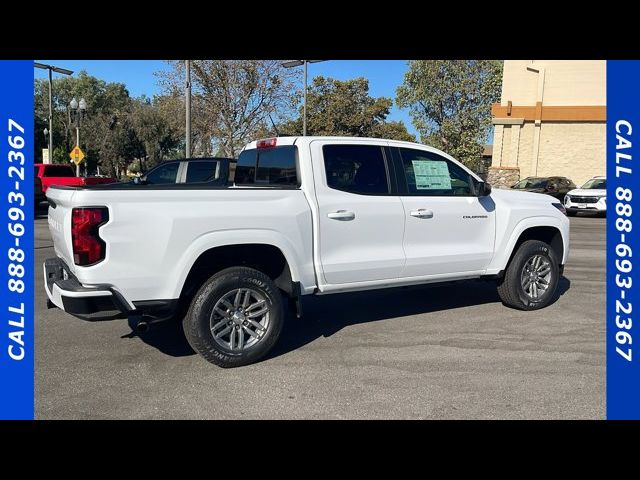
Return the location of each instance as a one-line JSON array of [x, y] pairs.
[[88, 247], [266, 143]]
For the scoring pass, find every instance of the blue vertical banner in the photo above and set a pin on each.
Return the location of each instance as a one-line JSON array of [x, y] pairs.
[[623, 244], [16, 240]]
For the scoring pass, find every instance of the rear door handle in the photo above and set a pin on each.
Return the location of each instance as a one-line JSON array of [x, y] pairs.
[[341, 215], [422, 213]]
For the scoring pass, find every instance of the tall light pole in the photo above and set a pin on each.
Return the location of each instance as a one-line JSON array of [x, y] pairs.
[[297, 63], [187, 102], [79, 109], [64, 71]]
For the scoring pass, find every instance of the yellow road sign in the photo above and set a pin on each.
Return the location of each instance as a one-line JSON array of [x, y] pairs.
[[77, 155]]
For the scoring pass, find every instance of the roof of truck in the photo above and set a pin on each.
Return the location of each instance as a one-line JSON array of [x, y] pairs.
[[297, 140]]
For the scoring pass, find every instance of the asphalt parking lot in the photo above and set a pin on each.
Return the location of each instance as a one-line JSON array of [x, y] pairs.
[[441, 352]]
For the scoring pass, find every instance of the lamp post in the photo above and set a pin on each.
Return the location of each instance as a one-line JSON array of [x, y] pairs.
[[297, 63], [63, 71], [78, 109], [46, 136], [187, 102]]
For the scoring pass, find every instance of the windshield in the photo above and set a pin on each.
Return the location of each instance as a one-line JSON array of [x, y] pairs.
[[595, 183], [532, 183]]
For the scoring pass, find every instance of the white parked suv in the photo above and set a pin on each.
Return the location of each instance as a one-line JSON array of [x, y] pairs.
[[305, 216], [590, 197]]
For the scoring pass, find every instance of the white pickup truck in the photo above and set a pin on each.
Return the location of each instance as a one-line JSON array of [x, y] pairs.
[[305, 215]]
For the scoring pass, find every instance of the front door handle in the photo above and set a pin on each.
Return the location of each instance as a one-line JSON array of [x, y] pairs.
[[341, 215], [422, 213]]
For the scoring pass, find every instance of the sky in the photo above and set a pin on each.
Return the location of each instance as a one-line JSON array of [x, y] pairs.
[[138, 75]]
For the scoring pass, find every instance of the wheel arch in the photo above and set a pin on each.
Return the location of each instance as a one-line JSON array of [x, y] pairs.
[[549, 234], [273, 258], [548, 229]]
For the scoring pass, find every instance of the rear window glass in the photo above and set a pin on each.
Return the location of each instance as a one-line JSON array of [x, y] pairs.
[[202, 171], [269, 166], [58, 171]]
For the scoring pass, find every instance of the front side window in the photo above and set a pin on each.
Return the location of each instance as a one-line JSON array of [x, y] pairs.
[[532, 182], [356, 169], [202, 171], [163, 174], [430, 174]]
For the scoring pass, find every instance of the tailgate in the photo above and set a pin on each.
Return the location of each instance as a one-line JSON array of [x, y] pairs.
[[60, 205]]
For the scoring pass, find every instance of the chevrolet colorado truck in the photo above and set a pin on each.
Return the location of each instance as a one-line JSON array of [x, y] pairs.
[[304, 216]]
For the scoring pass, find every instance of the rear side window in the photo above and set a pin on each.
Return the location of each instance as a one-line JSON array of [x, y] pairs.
[[202, 171], [356, 169], [58, 171], [163, 174], [269, 166]]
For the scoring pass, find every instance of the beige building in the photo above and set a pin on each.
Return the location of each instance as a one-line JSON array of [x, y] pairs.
[[551, 121]]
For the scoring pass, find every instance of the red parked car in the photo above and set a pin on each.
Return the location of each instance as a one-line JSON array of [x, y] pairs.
[[59, 174]]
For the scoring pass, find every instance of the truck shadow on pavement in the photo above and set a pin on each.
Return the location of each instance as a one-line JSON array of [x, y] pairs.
[[326, 315]]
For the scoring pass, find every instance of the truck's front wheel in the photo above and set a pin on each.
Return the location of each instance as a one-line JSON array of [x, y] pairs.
[[532, 277], [235, 318]]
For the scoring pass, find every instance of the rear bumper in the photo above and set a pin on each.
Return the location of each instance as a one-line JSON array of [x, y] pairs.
[[100, 302]]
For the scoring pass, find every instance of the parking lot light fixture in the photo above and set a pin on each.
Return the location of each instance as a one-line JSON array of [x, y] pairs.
[[297, 63], [78, 109], [63, 71]]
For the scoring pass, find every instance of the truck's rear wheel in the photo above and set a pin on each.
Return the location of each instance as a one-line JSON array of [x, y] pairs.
[[235, 318], [532, 277]]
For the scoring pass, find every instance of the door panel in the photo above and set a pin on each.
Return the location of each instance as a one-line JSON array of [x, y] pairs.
[[360, 222], [456, 235], [447, 228]]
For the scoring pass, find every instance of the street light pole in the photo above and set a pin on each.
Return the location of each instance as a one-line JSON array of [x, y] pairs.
[[78, 108], [187, 102], [304, 106], [64, 71], [50, 147], [304, 63]]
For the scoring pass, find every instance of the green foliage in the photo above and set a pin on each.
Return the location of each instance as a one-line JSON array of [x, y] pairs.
[[232, 100], [345, 108], [450, 103], [115, 130]]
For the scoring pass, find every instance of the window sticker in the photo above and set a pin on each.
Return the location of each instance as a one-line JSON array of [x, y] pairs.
[[431, 175]]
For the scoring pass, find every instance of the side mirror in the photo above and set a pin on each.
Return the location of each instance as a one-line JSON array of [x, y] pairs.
[[484, 189], [140, 181], [136, 180]]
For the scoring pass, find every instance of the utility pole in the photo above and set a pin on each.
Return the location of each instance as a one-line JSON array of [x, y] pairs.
[[187, 102]]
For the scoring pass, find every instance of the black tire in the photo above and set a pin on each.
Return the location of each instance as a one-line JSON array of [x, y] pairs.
[[510, 288], [571, 213], [196, 322]]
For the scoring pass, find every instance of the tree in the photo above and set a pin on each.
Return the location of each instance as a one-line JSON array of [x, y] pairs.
[[345, 108], [231, 99], [105, 101], [450, 103], [116, 129], [158, 135]]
